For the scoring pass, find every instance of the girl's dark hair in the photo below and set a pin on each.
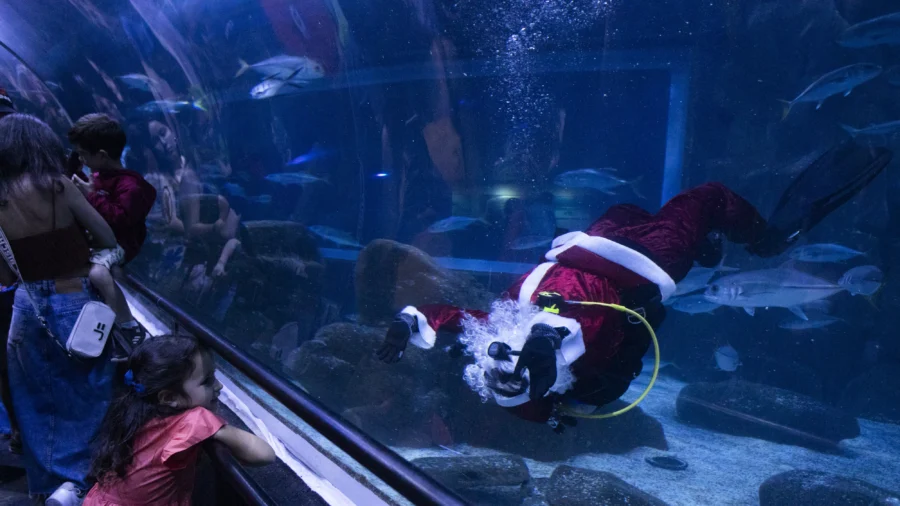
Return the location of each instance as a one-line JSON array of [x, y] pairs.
[[28, 147], [159, 363]]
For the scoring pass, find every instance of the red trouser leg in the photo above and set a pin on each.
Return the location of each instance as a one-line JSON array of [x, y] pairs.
[[674, 235]]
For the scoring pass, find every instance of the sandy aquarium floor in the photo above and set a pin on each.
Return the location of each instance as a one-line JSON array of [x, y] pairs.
[[722, 469]]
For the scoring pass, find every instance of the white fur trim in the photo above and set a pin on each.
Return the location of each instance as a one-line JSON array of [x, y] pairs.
[[619, 254], [532, 281], [426, 335]]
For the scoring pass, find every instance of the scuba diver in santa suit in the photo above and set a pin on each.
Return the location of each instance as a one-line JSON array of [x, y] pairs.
[[588, 355]]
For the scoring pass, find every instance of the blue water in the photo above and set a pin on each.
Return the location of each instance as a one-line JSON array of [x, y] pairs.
[[374, 155]]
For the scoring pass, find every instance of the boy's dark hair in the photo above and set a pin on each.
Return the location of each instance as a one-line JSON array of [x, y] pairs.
[[28, 147], [93, 132], [159, 363]]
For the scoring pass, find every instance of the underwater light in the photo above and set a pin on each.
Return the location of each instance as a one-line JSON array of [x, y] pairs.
[[382, 174]]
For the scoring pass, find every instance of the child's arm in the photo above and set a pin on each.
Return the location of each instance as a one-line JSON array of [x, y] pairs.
[[246, 447], [230, 247], [88, 217]]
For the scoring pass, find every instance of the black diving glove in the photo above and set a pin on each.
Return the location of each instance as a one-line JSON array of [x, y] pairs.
[[538, 356], [397, 338]]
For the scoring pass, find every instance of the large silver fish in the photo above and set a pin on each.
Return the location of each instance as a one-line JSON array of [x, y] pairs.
[[877, 130], [824, 253], [694, 304], [336, 236], [699, 277], [874, 32], [598, 179], [787, 288], [842, 80], [298, 68]]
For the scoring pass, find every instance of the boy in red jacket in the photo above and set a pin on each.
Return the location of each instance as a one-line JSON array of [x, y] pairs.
[[124, 199]]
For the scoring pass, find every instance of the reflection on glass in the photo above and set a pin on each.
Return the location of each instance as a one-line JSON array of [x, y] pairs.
[[322, 165]]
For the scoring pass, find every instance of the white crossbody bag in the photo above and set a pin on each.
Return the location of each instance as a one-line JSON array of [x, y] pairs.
[[91, 330]]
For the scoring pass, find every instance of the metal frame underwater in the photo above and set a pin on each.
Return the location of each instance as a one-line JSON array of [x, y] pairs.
[[675, 61]]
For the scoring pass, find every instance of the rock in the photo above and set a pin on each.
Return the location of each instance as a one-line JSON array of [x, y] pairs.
[[468, 472], [572, 486], [875, 394], [750, 409], [494, 480], [814, 488], [493, 427], [391, 275]]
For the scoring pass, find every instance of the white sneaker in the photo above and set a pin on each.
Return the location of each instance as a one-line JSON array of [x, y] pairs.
[[66, 495]]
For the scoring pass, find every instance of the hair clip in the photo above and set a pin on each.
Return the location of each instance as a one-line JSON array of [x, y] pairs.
[[129, 380]]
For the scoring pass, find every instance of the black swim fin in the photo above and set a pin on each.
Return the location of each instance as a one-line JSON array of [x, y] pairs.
[[828, 183]]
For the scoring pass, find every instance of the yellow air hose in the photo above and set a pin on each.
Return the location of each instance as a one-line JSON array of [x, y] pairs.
[[631, 406]]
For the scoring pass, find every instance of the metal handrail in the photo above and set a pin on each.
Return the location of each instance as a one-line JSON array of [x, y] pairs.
[[225, 463], [393, 469]]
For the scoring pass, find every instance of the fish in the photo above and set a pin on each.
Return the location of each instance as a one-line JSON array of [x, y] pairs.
[[170, 106], [292, 178], [694, 304], [727, 358], [867, 279], [336, 236], [315, 153], [452, 223], [529, 242], [879, 129], [824, 253], [787, 288], [260, 199], [53, 85], [298, 22], [285, 67], [235, 189], [138, 81], [698, 277], [874, 32], [596, 179], [842, 80], [810, 324], [267, 89]]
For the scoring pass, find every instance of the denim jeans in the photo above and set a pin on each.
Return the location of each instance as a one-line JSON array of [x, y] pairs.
[[59, 401]]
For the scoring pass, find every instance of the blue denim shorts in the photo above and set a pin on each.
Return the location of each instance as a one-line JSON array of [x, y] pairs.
[[59, 401]]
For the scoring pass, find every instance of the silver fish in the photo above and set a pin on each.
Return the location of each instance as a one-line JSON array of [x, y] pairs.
[[817, 323], [874, 32], [699, 277], [260, 199], [138, 81], [267, 89], [694, 304], [596, 179], [824, 253], [877, 130], [451, 223], [292, 178], [285, 67], [336, 236], [842, 80], [787, 288], [170, 106], [530, 242], [866, 279], [727, 358]]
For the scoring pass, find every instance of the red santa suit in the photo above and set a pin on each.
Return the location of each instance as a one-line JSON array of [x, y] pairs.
[[625, 248]]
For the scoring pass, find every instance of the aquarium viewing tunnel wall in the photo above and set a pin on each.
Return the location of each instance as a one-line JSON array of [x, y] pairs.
[[323, 165]]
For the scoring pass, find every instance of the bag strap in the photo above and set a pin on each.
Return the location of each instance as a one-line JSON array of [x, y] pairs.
[[7, 252]]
